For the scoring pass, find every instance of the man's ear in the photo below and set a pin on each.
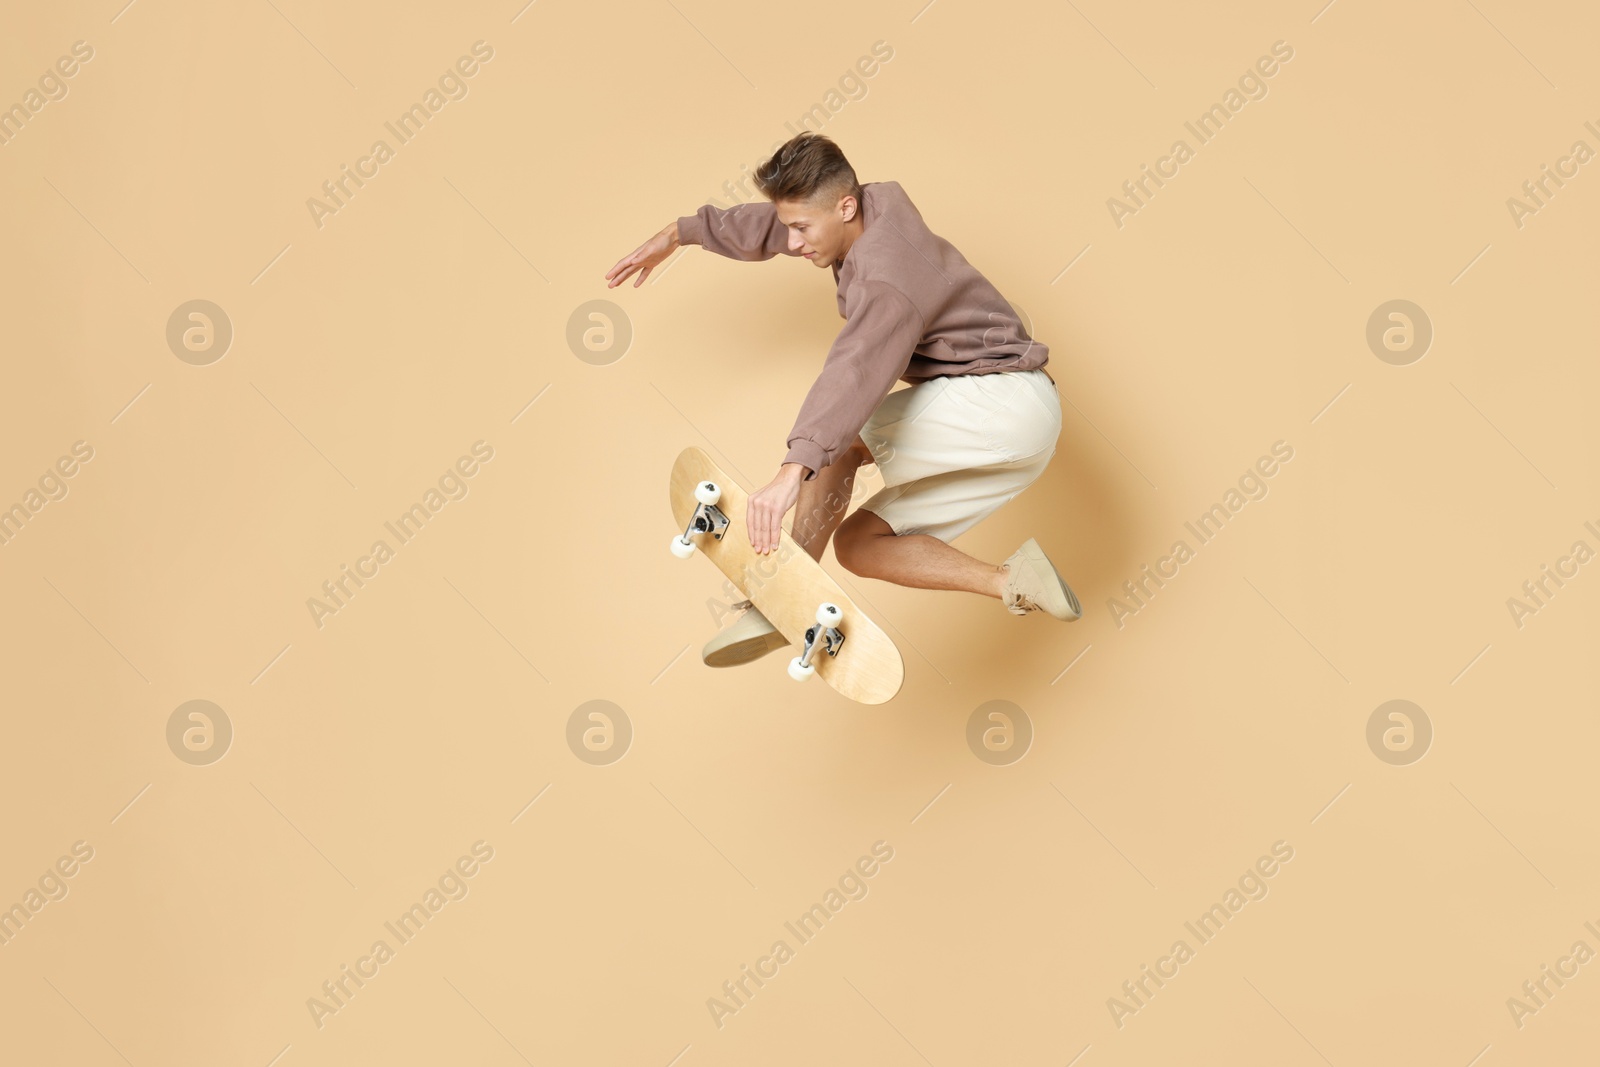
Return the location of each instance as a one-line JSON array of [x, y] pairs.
[[850, 207]]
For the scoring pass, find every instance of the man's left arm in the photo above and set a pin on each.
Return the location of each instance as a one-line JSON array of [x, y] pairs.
[[880, 335]]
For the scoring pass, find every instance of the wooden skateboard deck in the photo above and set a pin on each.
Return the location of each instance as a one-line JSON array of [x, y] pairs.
[[786, 585]]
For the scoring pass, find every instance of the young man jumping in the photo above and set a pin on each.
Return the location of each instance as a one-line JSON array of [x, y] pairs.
[[978, 424]]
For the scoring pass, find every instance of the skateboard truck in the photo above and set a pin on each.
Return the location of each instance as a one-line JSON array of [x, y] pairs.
[[707, 518], [828, 618]]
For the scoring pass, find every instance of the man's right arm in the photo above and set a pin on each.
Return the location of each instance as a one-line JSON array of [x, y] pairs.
[[745, 231]]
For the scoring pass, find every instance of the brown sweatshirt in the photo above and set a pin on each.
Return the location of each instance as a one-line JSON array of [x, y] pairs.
[[914, 309]]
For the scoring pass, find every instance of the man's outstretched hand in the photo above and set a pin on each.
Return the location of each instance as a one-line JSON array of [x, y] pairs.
[[768, 505], [648, 255]]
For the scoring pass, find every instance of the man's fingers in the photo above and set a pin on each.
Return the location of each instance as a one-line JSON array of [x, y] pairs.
[[760, 528], [764, 522], [626, 265], [623, 262]]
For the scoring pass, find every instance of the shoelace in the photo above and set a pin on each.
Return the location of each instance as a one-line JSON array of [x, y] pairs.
[[1025, 601]]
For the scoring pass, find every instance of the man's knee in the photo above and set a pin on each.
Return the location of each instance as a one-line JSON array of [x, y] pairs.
[[844, 550], [853, 534]]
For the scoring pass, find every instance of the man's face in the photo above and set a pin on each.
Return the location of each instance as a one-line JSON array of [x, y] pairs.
[[817, 230]]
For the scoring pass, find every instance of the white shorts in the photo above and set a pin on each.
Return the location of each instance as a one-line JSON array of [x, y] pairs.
[[953, 450]]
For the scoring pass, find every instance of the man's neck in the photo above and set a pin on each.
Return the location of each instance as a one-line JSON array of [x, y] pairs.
[[852, 230]]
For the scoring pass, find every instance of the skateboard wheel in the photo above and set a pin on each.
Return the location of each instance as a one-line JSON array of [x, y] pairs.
[[708, 492], [800, 671], [681, 548], [829, 615]]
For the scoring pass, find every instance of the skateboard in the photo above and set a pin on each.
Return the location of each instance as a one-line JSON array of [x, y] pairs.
[[793, 591]]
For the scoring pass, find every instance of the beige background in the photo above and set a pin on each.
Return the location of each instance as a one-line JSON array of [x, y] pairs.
[[432, 711]]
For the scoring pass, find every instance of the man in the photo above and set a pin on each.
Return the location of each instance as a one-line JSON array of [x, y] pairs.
[[978, 424]]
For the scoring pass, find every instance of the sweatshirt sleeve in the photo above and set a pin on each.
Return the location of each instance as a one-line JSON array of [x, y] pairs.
[[744, 231], [881, 331]]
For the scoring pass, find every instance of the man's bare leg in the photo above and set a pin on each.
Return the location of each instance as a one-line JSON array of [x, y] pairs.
[[868, 546], [822, 501]]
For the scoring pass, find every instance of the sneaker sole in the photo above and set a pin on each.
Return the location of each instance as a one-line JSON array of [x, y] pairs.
[[741, 652]]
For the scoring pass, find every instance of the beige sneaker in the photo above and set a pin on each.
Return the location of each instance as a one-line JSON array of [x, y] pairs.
[[750, 637], [1032, 584]]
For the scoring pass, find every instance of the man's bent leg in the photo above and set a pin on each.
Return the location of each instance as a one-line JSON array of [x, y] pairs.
[[822, 500], [868, 547]]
